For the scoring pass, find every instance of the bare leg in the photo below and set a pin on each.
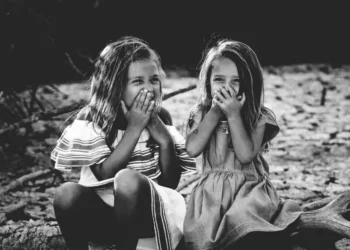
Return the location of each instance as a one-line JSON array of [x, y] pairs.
[[132, 206], [82, 216]]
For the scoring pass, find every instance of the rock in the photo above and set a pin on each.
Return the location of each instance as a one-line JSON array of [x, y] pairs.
[[39, 127], [344, 135], [2, 218], [51, 141]]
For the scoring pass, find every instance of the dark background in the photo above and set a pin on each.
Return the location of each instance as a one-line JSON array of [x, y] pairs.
[[57, 40]]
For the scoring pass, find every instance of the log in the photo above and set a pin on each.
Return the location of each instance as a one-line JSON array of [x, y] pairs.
[[13, 208], [330, 217], [20, 181], [317, 204], [40, 116]]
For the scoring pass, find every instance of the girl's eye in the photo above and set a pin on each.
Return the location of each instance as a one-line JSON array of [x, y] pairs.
[[137, 82], [155, 80], [218, 79], [235, 82]]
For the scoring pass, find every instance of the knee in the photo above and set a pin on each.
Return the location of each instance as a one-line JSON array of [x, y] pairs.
[[128, 182], [67, 196]]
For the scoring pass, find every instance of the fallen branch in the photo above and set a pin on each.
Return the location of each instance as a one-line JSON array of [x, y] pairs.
[[13, 208], [29, 177], [44, 115], [317, 204], [329, 217], [46, 235], [72, 64], [174, 93]]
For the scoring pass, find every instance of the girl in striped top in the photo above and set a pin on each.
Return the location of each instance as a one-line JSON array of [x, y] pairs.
[[130, 156]]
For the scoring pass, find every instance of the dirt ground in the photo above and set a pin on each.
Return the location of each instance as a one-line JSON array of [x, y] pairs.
[[309, 159]]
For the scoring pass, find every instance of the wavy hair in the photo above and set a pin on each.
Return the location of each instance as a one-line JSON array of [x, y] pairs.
[[109, 80], [251, 80]]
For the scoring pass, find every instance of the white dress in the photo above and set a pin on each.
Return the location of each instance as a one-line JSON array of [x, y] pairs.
[[83, 144]]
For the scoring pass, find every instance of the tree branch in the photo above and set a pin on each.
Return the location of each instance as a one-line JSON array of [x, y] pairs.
[[44, 115], [174, 93], [13, 208], [19, 182]]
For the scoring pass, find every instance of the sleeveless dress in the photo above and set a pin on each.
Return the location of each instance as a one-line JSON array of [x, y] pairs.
[[83, 144], [232, 200]]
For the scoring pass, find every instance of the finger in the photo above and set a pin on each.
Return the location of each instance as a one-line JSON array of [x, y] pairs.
[[150, 107], [218, 103], [232, 91], [146, 103], [225, 93], [157, 106], [219, 97], [143, 98], [137, 100], [125, 110], [215, 102], [242, 99]]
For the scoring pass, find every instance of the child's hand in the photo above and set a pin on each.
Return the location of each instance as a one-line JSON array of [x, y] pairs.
[[216, 108], [141, 110], [158, 131], [229, 102]]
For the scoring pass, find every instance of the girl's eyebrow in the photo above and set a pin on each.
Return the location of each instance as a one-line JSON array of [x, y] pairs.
[[233, 76], [135, 77]]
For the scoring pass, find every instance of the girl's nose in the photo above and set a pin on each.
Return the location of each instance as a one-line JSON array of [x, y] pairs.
[[150, 87]]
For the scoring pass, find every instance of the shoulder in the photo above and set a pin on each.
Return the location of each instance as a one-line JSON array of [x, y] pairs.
[[268, 119], [83, 114]]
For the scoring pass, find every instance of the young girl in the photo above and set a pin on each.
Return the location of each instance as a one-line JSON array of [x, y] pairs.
[[234, 197], [130, 156]]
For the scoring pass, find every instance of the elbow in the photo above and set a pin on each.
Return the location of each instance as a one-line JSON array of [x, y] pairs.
[[245, 159], [192, 151]]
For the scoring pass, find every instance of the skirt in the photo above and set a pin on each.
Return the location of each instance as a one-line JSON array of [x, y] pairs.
[[168, 212], [227, 205]]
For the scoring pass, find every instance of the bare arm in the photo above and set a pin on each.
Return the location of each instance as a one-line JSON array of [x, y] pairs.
[[137, 118], [119, 158], [168, 162], [201, 132], [246, 147], [169, 165]]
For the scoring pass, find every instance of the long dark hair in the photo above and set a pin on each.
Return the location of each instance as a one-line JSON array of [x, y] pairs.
[[251, 81], [109, 79]]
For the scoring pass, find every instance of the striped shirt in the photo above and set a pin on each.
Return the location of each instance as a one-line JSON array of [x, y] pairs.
[[83, 144]]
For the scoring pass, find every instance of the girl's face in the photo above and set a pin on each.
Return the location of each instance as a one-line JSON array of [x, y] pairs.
[[143, 74], [224, 74]]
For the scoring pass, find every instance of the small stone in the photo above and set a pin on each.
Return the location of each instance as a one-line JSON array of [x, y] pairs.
[[344, 135], [51, 141]]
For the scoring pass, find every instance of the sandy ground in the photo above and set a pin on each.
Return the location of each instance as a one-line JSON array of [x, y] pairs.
[[309, 158]]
